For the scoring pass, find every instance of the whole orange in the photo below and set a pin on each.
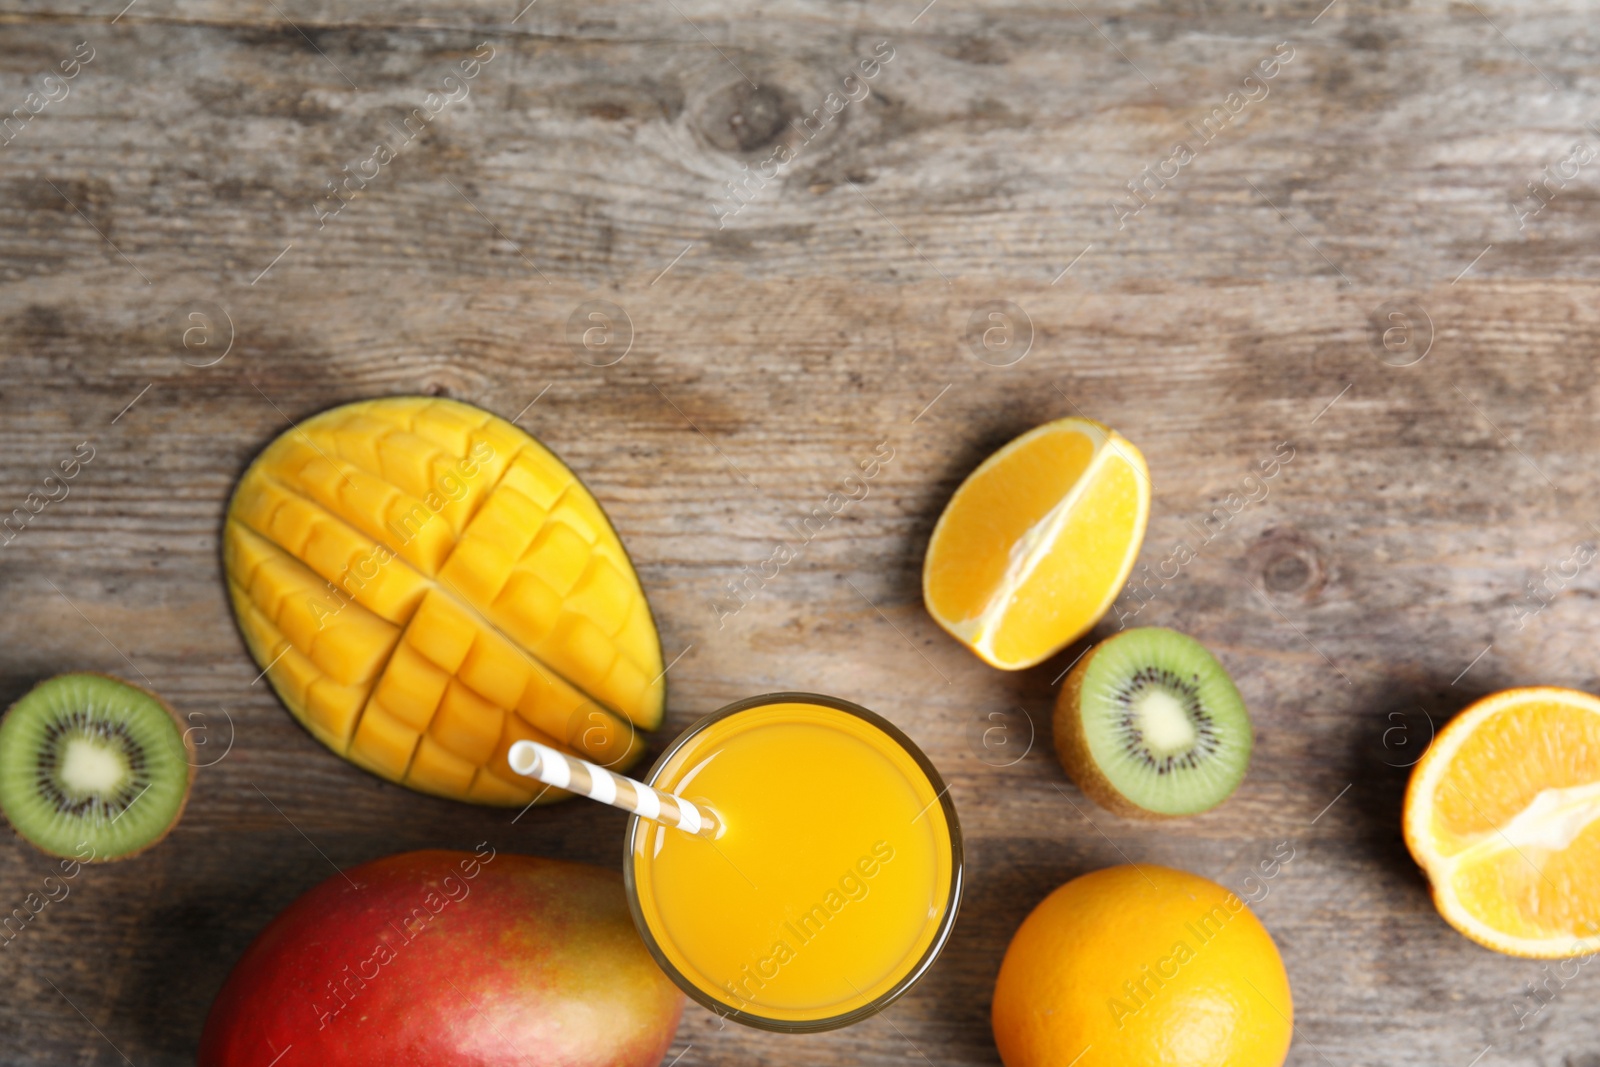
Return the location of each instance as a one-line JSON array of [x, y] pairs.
[[1142, 966]]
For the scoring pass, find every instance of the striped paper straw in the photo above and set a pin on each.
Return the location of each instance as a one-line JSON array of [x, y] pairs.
[[533, 760]]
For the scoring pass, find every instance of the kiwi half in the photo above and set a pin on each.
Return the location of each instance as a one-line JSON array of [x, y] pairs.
[[1150, 725], [92, 768]]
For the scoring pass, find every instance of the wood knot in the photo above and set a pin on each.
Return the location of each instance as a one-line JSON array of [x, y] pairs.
[[744, 118], [1289, 563]]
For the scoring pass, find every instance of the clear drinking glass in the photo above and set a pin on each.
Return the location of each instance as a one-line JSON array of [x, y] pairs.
[[834, 882]]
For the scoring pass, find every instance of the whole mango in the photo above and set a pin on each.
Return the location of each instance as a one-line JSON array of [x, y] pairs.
[[448, 959]]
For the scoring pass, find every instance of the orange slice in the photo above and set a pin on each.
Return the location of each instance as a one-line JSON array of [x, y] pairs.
[[1036, 543], [1503, 813]]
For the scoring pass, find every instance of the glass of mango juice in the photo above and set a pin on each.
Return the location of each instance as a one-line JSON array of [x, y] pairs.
[[834, 876]]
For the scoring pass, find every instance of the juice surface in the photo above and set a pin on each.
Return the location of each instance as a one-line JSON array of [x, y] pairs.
[[830, 880]]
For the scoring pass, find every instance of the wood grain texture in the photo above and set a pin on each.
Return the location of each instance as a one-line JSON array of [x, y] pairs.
[[1382, 169]]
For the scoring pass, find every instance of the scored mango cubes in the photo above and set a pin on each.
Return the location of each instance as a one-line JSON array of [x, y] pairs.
[[425, 584]]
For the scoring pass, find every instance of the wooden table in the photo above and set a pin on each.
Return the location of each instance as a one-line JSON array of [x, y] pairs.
[[1348, 264]]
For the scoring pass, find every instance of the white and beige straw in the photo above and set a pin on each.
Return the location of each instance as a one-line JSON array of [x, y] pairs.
[[533, 760]]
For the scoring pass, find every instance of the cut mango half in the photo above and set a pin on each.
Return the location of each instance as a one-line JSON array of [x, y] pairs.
[[425, 585], [1035, 545], [1503, 814]]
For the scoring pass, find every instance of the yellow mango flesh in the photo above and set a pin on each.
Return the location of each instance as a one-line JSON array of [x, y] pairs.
[[424, 585]]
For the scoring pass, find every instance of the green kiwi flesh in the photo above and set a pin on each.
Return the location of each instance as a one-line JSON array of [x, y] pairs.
[[1150, 724], [92, 768]]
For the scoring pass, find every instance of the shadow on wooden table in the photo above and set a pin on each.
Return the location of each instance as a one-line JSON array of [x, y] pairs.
[[1380, 760]]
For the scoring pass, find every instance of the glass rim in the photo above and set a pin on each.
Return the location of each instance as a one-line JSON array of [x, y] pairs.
[[910, 978]]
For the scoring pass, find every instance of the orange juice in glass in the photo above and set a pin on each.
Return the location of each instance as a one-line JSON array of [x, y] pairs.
[[835, 875]]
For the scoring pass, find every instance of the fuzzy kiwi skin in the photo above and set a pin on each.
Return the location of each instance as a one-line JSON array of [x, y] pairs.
[[188, 785], [1072, 748]]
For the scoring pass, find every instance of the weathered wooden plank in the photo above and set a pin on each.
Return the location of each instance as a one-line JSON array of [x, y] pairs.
[[828, 314]]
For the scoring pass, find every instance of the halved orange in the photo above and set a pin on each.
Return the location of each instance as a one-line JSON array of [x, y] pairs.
[[1503, 813], [1035, 545]]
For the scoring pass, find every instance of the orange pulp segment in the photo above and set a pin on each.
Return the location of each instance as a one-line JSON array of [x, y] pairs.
[[1035, 544], [1503, 813]]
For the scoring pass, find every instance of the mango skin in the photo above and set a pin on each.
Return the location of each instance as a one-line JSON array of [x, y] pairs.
[[448, 959]]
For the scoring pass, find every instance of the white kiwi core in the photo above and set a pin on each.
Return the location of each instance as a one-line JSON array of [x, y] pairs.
[[1163, 722], [91, 768]]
